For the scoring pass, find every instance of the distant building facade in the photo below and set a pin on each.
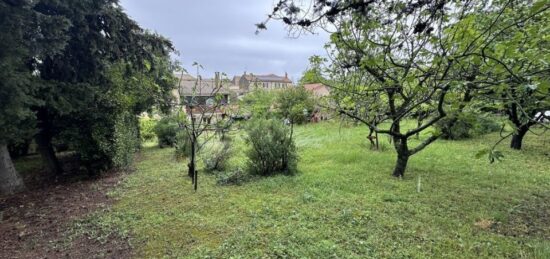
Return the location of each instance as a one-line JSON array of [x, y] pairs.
[[249, 82], [201, 91], [202, 98]]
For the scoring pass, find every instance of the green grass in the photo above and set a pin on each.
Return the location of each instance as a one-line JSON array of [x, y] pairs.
[[344, 203]]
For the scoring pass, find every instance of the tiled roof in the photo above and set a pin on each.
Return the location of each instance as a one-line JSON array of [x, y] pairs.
[[318, 89], [273, 78], [204, 87], [183, 76], [267, 78]]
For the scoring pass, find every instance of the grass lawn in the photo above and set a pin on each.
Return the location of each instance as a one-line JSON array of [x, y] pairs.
[[343, 203]]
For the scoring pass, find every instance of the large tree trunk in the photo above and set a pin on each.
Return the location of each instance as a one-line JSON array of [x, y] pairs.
[[402, 156], [517, 138], [10, 181], [44, 143], [45, 148]]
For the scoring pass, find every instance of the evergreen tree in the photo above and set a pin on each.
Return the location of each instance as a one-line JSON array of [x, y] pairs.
[[26, 35]]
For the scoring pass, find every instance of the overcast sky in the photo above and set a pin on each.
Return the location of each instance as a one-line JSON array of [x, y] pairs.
[[219, 34]]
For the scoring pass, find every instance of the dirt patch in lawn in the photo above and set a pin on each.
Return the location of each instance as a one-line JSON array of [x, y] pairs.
[[34, 224], [531, 218]]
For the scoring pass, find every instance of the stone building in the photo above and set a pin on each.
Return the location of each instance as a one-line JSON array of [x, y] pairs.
[[249, 82]]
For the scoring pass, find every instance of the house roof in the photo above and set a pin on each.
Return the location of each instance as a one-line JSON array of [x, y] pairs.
[[204, 87], [273, 78], [267, 78], [318, 89], [183, 76]]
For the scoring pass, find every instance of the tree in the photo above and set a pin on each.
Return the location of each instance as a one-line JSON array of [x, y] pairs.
[[357, 82], [258, 103], [413, 53], [516, 69], [295, 104], [109, 71], [313, 74], [22, 43], [198, 115]]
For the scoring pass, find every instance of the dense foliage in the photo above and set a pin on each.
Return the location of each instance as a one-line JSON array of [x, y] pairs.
[[76, 74], [272, 149], [258, 103], [166, 130], [516, 66], [295, 104], [22, 44], [468, 125], [147, 128], [125, 141]]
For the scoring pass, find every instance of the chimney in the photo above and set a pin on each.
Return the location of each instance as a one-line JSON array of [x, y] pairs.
[[217, 80], [286, 75]]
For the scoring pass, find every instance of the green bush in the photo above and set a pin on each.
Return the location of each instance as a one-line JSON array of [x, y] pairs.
[[467, 126], [166, 130], [147, 129], [183, 145], [126, 141], [459, 130], [258, 103], [272, 150], [110, 143], [486, 124], [216, 155], [295, 104]]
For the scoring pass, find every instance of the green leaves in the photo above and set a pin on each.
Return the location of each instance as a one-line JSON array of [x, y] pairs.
[[491, 154], [537, 6], [147, 65], [295, 104]]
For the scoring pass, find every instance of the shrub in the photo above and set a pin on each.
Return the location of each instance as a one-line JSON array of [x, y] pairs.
[[295, 104], [216, 156], [183, 145], [460, 129], [467, 126], [147, 129], [166, 130], [110, 143], [486, 124], [258, 103], [272, 149], [126, 141]]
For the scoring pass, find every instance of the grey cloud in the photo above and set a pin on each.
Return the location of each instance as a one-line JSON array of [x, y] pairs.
[[219, 34]]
